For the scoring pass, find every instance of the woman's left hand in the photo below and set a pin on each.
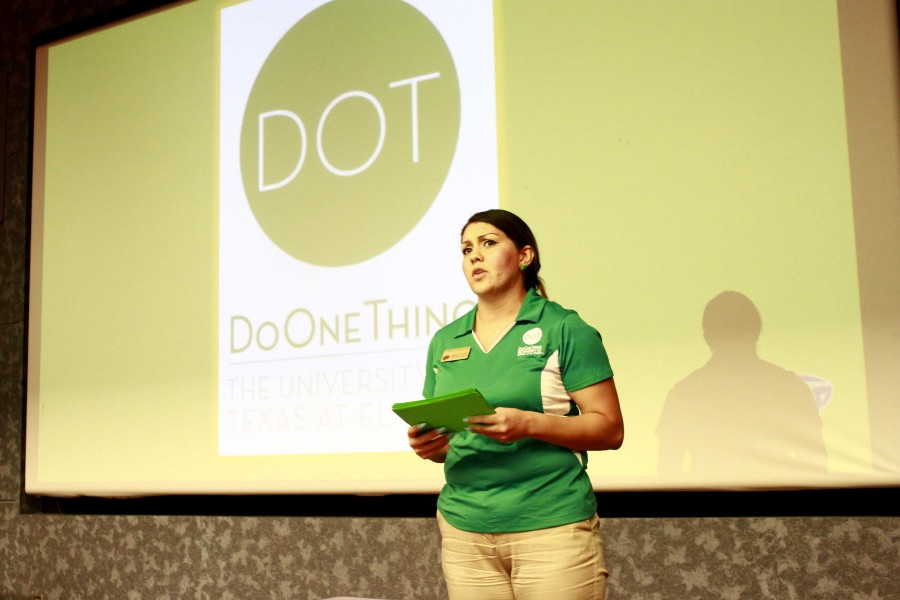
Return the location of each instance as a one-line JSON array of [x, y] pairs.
[[598, 426], [506, 425]]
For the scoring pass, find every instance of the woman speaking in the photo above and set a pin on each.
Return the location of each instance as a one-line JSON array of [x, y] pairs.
[[517, 514]]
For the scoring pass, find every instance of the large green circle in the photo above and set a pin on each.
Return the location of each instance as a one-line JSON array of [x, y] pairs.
[[340, 61]]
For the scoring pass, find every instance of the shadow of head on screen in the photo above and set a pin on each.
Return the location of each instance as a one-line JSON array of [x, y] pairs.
[[738, 417]]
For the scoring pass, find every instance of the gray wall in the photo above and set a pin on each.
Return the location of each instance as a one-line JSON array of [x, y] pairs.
[[131, 556]]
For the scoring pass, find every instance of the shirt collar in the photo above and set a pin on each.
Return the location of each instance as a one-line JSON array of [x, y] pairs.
[[529, 312], [532, 307]]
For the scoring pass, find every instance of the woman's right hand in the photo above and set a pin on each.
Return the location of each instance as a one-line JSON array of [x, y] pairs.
[[429, 444]]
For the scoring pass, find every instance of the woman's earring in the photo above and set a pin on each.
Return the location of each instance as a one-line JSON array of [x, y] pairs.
[[523, 267]]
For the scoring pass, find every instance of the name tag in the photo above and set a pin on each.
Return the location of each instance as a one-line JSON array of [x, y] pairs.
[[454, 354]]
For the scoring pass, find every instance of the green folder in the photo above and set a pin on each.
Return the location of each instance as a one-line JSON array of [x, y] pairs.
[[444, 411]]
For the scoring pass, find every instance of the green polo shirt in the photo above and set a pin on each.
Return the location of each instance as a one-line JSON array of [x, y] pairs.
[[528, 484]]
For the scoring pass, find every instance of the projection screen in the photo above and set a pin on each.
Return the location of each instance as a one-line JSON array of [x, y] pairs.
[[245, 224]]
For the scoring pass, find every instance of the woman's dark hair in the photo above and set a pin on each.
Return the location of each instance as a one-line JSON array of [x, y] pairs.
[[518, 231]]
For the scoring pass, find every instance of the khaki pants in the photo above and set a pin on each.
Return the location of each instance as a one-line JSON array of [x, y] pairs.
[[559, 563]]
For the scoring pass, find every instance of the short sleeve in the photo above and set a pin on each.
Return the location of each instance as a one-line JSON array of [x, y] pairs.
[[428, 386], [583, 358]]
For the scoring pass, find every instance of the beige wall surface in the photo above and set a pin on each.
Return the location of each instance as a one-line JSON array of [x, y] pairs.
[[167, 556]]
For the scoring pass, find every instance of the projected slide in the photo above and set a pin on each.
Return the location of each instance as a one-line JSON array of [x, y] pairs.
[[346, 151], [246, 218]]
